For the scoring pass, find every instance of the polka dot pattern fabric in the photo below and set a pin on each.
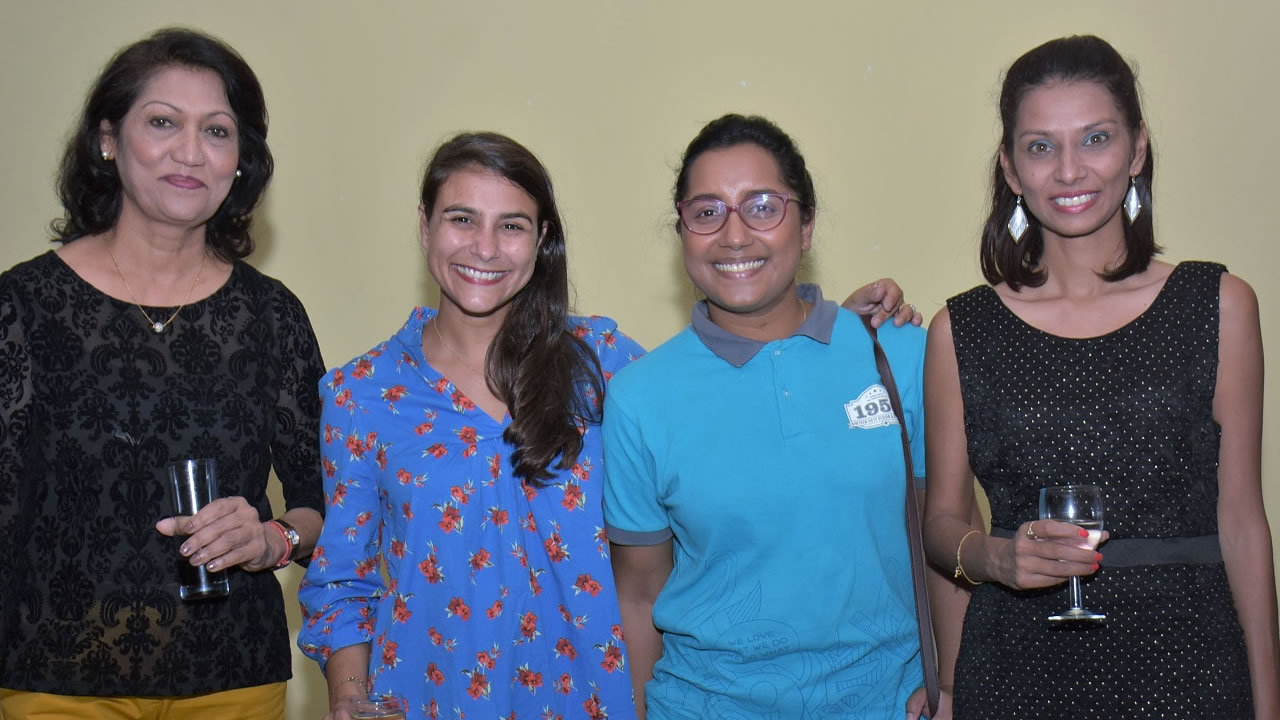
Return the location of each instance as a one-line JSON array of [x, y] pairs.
[[1130, 411]]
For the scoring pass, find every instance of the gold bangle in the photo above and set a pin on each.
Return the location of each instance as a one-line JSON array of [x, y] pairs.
[[960, 573]]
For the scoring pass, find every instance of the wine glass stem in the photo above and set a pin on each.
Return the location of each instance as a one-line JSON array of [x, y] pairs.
[[1077, 601]]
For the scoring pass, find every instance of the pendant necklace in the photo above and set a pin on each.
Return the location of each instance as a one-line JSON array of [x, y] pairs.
[[157, 327]]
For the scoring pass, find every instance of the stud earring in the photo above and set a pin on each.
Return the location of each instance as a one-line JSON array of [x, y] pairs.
[[106, 155], [237, 172], [1132, 204], [1018, 222]]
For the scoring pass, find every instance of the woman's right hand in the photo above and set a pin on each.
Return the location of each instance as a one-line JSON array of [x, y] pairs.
[[343, 709], [1045, 553]]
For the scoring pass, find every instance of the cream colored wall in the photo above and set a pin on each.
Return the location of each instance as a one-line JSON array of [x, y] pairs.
[[892, 102]]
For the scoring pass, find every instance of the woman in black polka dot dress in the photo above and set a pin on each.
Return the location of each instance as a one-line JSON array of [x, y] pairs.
[[1085, 361]]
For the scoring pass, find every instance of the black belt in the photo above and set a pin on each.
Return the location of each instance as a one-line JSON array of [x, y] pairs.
[[1131, 552]]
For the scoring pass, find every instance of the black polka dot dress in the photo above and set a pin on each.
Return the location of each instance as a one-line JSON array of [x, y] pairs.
[[1130, 411]]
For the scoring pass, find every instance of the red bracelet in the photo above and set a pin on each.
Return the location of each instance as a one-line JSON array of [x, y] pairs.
[[288, 546]]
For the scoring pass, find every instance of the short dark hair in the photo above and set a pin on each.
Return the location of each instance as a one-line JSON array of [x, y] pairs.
[[733, 129], [550, 380], [1079, 58], [90, 187]]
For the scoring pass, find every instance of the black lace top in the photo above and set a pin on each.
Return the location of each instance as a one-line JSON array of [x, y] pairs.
[[93, 405]]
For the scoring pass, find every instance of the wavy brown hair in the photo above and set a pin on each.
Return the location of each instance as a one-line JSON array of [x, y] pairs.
[[550, 379]]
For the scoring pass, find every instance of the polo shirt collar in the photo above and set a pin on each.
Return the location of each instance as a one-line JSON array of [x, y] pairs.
[[737, 350]]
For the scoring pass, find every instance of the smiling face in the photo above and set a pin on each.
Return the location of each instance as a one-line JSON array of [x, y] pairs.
[[481, 241], [176, 150], [743, 272], [1072, 158]]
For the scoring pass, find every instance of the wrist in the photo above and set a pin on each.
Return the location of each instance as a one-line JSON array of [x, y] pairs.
[[289, 541]]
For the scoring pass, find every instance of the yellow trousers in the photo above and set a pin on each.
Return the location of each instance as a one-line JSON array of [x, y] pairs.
[[264, 702]]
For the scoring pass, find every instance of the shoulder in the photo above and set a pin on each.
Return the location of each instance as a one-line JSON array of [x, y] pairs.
[[1236, 297], [27, 272], [656, 365], [971, 297], [250, 279], [614, 347], [403, 347]]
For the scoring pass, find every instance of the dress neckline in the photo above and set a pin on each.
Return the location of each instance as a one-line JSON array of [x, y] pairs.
[[1157, 300], [235, 269]]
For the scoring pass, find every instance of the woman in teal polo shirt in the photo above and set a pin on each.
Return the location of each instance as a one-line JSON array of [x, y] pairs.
[[754, 486]]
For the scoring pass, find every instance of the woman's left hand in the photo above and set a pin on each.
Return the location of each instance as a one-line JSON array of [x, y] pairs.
[[225, 532], [918, 705], [881, 300]]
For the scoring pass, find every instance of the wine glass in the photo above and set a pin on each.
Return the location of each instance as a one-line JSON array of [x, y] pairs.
[[1080, 505]]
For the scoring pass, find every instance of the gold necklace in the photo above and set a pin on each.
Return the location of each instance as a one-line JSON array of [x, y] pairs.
[[435, 324], [156, 326]]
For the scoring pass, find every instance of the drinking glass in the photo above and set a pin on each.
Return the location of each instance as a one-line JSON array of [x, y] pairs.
[[380, 706], [1080, 505], [195, 484]]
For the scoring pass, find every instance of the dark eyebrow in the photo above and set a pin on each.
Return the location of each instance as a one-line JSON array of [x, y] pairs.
[[472, 211], [755, 192], [1087, 128], [177, 109]]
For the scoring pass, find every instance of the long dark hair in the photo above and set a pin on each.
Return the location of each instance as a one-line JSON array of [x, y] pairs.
[[733, 129], [1080, 58], [90, 187], [548, 377]]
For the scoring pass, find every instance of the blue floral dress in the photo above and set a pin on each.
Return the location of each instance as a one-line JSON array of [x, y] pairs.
[[497, 599]]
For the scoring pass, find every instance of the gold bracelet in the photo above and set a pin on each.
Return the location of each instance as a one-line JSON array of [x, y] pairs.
[[361, 681], [960, 573]]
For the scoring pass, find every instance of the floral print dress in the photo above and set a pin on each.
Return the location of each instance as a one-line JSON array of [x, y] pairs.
[[481, 596]]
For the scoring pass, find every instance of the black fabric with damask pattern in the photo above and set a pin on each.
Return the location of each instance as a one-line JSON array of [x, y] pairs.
[[93, 405]]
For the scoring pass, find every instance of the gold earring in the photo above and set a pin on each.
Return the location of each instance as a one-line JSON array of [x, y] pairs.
[[106, 155]]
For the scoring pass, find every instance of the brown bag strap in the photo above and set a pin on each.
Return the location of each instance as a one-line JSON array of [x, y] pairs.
[[915, 540]]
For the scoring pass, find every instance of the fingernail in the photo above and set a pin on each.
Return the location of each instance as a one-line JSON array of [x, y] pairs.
[[186, 550], [1097, 556], [1095, 567], [214, 566], [1084, 533]]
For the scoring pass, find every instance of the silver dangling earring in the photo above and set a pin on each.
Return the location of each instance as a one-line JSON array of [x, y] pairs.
[[1018, 222], [1132, 204]]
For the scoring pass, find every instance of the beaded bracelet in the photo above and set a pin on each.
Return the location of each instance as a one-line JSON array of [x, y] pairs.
[[960, 573]]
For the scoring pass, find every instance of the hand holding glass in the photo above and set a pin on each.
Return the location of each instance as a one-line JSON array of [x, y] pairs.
[[195, 484], [382, 706], [1080, 505]]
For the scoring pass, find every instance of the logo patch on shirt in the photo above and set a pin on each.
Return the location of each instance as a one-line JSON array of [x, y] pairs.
[[871, 409]]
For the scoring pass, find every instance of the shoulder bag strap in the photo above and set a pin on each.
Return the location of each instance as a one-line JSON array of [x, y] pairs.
[[915, 541]]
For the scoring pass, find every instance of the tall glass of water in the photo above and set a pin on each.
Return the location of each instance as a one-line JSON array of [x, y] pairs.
[[195, 484], [1080, 505]]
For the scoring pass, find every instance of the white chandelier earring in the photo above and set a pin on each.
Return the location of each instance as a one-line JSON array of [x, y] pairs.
[[1018, 222], [1132, 203]]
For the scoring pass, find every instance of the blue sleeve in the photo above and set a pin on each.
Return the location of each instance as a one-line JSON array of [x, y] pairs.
[[633, 509], [340, 590]]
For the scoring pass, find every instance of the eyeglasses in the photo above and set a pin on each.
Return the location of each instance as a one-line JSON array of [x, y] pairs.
[[704, 216]]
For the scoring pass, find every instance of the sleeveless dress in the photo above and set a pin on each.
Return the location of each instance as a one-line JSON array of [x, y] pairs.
[[1132, 412]]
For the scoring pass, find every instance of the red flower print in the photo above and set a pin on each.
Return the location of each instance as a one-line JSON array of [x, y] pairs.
[[564, 685], [381, 457], [400, 611], [355, 447], [366, 567], [434, 675], [338, 379], [609, 339], [318, 557], [389, 658], [580, 331], [330, 469], [483, 658], [431, 570], [518, 552], [479, 686], [616, 630], [339, 494], [529, 625], [424, 428], [573, 497], [341, 398], [407, 359], [403, 476], [437, 450], [587, 584], [329, 432], [479, 560], [612, 657], [363, 368], [436, 637], [467, 434], [363, 518], [498, 516], [394, 393], [535, 589], [397, 548], [460, 494], [495, 466], [600, 536], [582, 470], [566, 648], [450, 519], [441, 386], [461, 402], [459, 608], [407, 510], [528, 678], [494, 610], [470, 450], [433, 710], [530, 492], [564, 612], [595, 711], [529, 523], [556, 551]]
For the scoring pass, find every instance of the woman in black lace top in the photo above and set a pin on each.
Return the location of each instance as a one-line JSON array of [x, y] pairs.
[[143, 339]]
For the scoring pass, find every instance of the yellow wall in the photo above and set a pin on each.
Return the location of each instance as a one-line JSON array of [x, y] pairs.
[[892, 102]]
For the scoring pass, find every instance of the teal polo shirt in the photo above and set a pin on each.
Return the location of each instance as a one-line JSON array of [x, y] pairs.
[[778, 473]]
